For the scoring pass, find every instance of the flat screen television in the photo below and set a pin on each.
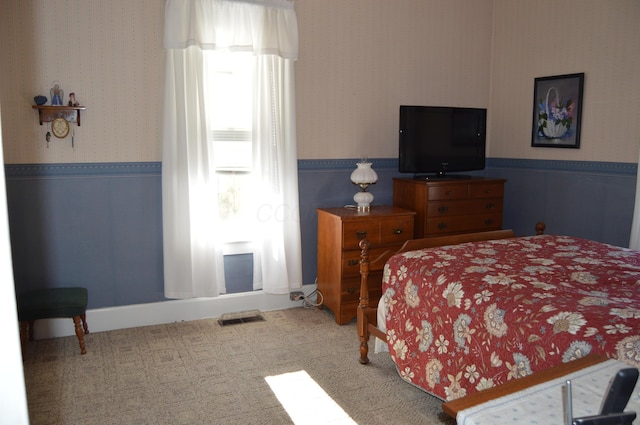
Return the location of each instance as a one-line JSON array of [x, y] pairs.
[[436, 140]]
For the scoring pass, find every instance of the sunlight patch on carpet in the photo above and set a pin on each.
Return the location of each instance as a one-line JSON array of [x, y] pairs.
[[297, 391]]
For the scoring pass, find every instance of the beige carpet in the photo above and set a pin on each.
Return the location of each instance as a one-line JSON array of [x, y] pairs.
[[202, 373]]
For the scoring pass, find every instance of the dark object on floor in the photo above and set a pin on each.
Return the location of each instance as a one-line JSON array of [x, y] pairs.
[[241, 317], [53, 303]]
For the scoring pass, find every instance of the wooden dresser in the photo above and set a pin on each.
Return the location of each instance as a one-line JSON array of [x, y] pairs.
[[339, 233], [445, 207]]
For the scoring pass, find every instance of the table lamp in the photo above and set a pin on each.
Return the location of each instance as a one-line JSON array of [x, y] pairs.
[[363, 176]]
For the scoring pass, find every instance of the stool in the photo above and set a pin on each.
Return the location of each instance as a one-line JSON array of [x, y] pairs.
[[53, 303]]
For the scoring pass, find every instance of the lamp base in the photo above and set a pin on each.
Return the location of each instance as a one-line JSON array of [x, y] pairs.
[[364, 200]]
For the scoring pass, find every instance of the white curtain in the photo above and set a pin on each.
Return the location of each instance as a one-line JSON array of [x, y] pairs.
[[193, 265], [634, 240], [277, 255]]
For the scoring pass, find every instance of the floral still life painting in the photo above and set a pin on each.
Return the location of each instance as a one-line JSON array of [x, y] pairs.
[[557, 109]]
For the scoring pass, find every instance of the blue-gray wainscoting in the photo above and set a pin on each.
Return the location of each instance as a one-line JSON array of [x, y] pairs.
[[592, 200], [100, 225]]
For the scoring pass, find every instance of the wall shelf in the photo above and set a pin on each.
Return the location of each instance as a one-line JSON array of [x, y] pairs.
[[48, 113]]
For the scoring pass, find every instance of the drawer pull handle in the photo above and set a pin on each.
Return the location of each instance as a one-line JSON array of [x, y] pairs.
[[361, 234], [488, 222], [443, 209], [351, 290], [442, 226], [352, 263], [490, 206], [449, 192], [397, 231]]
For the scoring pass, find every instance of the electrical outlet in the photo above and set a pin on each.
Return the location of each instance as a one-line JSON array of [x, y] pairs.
[[296, 296]]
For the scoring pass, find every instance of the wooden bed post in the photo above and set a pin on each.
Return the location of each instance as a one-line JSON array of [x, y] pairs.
[[540, 226], [363, 323]]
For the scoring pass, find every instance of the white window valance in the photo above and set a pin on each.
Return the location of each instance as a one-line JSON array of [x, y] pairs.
[[262, 26]]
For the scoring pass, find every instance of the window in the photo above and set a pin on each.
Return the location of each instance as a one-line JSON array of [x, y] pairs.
[[229, 80], [193, 245]]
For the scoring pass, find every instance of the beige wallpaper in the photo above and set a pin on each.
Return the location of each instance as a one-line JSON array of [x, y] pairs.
[[108, 52], [550, 37], [359, 60]]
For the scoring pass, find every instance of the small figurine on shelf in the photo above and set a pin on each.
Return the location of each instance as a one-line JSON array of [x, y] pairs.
[[56, 94], [72, 100]]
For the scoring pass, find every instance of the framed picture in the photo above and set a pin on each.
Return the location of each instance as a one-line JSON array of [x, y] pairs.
[[557, 111]]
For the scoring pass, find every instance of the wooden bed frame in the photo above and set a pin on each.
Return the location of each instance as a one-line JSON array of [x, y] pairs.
[[367, 315]]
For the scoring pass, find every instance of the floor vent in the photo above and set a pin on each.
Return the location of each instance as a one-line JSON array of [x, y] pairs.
[[241, 317]]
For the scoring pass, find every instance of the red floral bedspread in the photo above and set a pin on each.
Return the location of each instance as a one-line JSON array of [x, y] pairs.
[[464, 318]]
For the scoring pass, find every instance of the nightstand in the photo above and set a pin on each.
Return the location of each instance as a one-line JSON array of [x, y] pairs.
[[340, 230]]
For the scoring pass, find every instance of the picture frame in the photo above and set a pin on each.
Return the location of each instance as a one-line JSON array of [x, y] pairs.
[[557, 111]]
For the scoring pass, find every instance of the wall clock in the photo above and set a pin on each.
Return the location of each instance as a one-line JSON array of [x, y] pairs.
[[60, 128]]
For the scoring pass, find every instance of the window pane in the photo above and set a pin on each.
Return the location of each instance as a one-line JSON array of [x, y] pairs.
[[229, 105]]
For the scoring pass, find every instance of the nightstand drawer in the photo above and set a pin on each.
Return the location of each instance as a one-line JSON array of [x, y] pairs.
[[354, 232], [351, 259], [396, 230], [351, 288]]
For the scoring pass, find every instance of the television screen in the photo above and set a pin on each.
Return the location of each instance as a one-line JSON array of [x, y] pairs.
[[435, 140]]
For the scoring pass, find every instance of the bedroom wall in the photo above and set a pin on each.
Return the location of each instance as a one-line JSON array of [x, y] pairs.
[[587, 192], [358, 61], [108, 52], [547, 37]]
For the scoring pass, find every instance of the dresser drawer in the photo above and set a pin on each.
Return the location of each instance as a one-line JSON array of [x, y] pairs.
[[472, 206], [488, 190], [354, 232], [460, 191], [396, 230], [464, 223], [351, 259], [350, 290]]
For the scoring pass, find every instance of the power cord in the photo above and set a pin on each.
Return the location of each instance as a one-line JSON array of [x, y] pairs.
[[314, 299]]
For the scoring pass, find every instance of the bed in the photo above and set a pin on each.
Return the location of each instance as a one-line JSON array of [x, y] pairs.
[[464, 313]]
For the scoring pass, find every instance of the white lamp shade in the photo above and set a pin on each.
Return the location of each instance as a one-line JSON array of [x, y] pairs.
[[364, 174]]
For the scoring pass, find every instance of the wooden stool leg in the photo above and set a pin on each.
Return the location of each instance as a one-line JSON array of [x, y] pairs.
[[79, 334], [84, 323]]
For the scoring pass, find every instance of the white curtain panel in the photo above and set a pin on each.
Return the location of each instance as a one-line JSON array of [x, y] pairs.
[[193, 265], [277, 255], [193, 262]]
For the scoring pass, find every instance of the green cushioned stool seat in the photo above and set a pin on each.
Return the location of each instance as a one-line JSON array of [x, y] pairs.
[[53, 303]]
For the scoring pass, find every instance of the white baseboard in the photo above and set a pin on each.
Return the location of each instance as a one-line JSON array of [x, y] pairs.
[[131, 316]]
